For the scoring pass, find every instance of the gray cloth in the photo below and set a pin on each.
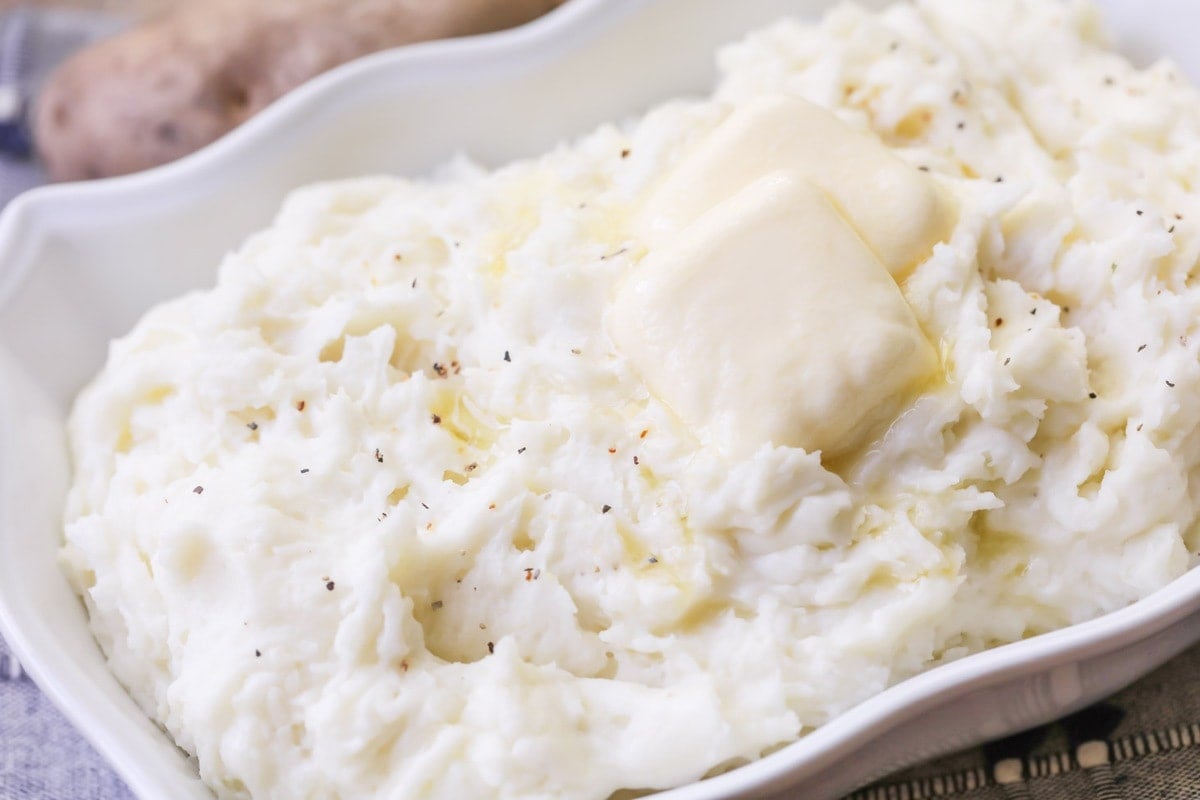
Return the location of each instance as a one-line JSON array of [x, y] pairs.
[[41, 755], [32, 43], [1142, 743]]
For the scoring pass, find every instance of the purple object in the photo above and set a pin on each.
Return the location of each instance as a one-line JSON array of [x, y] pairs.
[[16, 138]]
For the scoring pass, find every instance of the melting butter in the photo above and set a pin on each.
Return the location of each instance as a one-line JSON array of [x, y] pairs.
[[899, 211], [768, 320]]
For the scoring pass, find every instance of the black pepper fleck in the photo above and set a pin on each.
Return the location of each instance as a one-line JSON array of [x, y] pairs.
[[378, 455], [507, 357], [520, 450], [252, 426], [652, 559], [1170, 384], [330, 585], [436, 419], [605, 509], [258, 654], [491, 647], [304, 471], [436, 604], [1140, 212], [1140, 349], [1092, 395], [625, 153], [198, 490]]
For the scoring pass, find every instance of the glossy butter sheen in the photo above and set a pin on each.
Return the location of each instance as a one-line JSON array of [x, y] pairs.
[[900, 212], [767, 321]]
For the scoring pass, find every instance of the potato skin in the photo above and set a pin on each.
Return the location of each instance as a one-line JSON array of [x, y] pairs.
[[174, 84]]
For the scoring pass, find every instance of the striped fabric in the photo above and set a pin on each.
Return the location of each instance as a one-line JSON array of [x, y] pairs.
[[1140, 744], [1108, 770]]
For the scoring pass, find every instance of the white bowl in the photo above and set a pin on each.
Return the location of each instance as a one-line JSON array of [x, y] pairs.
[[79, 263]]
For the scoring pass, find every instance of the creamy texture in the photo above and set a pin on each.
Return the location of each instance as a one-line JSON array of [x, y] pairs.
[[388, 512], [772, 295], [898, 212]]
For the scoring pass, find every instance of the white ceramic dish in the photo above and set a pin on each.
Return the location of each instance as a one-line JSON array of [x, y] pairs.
[[79, 263]]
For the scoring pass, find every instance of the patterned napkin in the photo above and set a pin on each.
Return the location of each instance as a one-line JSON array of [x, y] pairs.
[[1141, 743]]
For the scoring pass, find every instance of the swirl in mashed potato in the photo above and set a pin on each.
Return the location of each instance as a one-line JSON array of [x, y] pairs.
[[386, 513]]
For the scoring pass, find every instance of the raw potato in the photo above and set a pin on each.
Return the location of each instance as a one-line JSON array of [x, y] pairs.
[[172, 85]]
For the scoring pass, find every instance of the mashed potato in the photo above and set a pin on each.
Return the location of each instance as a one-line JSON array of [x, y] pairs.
[[387, 513]]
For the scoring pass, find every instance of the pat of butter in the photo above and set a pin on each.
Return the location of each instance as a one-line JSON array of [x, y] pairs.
[[769, 320], [900, 212]]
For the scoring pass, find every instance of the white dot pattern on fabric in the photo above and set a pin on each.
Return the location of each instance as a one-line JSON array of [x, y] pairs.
[[1092, 754], [1009, 770]]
